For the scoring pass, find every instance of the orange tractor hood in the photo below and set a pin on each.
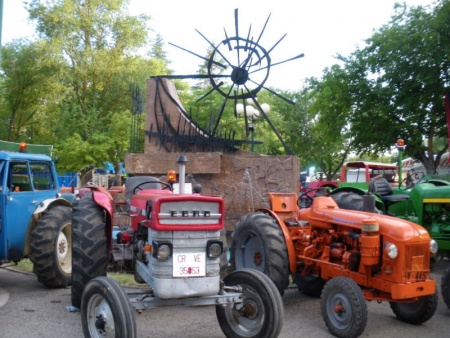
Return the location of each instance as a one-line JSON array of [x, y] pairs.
[[324, 211]]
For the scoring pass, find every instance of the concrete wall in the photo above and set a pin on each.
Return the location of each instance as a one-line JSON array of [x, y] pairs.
[[243, 179]]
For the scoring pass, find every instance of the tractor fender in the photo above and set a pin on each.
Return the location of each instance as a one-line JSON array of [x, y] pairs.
[[50, 202], [287, 238], [104, 201], [101, 196]]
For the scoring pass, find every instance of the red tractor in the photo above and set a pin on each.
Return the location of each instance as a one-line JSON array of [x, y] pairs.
[[345, 257], [177, 251]]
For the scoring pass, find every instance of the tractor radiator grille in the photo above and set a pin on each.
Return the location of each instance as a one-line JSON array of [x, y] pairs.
[[417, 262]]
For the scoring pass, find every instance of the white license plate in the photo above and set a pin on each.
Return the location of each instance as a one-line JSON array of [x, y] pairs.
[[189, 264]]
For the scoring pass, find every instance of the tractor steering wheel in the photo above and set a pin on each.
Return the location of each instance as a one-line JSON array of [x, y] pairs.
[[166, 186], [304, 200], [411, 180]]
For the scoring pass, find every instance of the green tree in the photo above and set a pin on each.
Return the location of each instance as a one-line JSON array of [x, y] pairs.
[[30, 85], [99, 41], [317, 128], [398, 81], [157, 51]]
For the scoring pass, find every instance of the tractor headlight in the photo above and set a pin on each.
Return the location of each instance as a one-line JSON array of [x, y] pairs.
[[433, 246], [392, 251], [214, 249], [162, 250]]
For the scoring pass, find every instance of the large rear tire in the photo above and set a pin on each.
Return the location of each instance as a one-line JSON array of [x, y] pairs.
[[258, 243], [445, 287], [90, 248], [344, 308], [51, 247], [348, 200], [106, 310], [417, 312], [261, 314]]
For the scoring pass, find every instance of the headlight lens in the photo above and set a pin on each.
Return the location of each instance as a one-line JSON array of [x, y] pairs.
[[433, 246], [214, 249], [162, 250], [392, 251]]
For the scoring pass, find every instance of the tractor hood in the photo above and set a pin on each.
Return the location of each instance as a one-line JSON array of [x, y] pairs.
[[324, 211], [431, 190], [162, 210]]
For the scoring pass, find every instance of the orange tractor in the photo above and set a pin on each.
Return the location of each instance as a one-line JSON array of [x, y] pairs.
[[345, 257]]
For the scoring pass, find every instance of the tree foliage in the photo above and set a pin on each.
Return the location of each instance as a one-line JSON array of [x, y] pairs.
[[399, 79], [29, 89], [99, 42]]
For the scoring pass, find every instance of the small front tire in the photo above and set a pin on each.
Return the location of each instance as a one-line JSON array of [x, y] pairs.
[[344, 308], [106, 310], [261, 314], [417, 312]]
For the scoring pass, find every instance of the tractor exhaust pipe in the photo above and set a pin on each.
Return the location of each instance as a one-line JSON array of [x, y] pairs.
[[182, 160]]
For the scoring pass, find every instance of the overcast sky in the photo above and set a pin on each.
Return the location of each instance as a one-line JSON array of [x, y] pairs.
[[318, 28]]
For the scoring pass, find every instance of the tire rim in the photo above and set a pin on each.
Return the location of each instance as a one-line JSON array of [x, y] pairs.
[[250, 253], [100, 319], [248, 319], [64, 250], [339, 310]]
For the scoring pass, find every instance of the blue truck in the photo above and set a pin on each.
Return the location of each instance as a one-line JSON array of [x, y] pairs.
[[35, 219]]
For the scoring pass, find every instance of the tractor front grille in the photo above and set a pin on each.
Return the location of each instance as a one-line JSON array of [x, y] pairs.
[[417, 262]]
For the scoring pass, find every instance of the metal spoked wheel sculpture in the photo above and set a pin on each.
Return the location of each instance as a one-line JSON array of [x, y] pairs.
[[238, 69]]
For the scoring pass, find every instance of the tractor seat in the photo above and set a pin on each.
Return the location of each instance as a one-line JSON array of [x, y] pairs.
[[380, 186]]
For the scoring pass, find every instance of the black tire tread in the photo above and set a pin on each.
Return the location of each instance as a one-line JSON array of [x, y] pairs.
[[445, 286], [44, 241], [426, 307], [311, 285], [348, 200], [90, 249]]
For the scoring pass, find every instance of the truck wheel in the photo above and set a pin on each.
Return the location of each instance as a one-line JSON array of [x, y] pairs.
[[344, 308], [90, 249], [106, 310], [260, 315], [51, 247], [258, 243], [445, 286], [417, 312], [311, 285]]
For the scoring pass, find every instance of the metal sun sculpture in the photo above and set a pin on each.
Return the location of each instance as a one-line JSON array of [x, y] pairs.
[[238, 69]]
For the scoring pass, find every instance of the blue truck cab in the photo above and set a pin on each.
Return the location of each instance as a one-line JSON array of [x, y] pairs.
[[35, 222]]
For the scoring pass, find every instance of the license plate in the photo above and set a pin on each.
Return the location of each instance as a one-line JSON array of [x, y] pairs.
[[189, 264]]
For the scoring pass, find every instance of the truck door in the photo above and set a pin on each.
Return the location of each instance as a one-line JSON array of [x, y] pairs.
[[2, 208], [20, 201]]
